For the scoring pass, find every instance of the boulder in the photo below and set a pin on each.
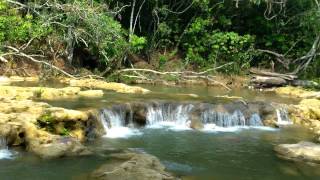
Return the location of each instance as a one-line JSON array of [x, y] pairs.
[[303, 151], [47, 131], [307, 113], [132, 166]]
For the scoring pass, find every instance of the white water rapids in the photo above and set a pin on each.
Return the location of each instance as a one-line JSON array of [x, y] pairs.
[[118, 121]]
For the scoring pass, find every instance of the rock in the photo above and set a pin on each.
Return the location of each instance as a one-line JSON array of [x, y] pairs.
[[307, 113], [99, 84], [47, 131], [132, 166], [297, 92], [46, 93], [50, 146], [195, 122], [303, 151]]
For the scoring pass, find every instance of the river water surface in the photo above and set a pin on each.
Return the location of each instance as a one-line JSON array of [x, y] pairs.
[[231, 153]]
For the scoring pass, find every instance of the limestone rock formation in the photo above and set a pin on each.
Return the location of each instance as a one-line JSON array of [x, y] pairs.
[[46, 131], [297, 92], [46, 93], [307, 113], [99, 84]]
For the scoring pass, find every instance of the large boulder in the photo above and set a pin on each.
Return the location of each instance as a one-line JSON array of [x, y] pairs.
[[307, 113], [303, 151], [132, 166], [47, 145], [47, 131]]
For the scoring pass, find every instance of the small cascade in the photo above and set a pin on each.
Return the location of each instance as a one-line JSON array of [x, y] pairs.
[[4, 151], [177, 114], [255, 120], [3, 143], [283, 117], [225, 119], [115, 121]]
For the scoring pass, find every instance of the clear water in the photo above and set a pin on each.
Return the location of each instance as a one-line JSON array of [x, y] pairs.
[[197, 155], [243, 154]]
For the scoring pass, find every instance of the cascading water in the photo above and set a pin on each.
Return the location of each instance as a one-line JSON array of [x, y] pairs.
[[115, 121], [4, 151], [225, 119], [119, 120], [283, 117], [173, 114]]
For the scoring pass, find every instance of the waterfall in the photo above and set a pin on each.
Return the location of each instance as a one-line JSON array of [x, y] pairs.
[[283, 117], [225, 119], [255, 120], [119, 120], [115, 120], [177, 114], [4, 151], [3, 143]]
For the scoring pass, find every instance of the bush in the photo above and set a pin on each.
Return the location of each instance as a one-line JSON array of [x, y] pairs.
[[205, 48]]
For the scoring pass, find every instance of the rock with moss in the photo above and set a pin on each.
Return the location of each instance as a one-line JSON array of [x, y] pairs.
[[47, 131]]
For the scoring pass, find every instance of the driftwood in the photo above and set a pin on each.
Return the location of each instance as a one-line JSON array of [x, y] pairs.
[[264, 81], [273, 74], [144, 74], [263, 78]]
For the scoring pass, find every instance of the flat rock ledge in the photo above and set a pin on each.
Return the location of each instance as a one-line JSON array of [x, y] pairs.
[[303, 152], [132, 166], [100, 84]]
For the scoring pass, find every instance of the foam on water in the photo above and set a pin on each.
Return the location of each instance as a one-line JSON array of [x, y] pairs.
[[6, 154], [214, 128], [122, 132], [169, 125], [283, 117]]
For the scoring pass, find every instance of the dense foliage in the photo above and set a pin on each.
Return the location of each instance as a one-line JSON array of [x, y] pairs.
[[205, 33]]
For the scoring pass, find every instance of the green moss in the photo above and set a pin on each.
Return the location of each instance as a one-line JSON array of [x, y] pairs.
[[65, 132], [46, 121], [38, 93]]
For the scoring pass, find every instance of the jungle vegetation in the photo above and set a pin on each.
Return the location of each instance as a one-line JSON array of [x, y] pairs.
[[281, 35]]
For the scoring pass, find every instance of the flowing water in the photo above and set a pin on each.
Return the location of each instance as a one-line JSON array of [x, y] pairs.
[[232, 145]]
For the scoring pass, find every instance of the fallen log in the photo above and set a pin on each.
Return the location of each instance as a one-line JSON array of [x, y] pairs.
[[263, 81], [273, 74]]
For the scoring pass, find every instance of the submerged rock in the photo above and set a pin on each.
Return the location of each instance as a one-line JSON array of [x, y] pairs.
[[132, 166], [303, 151], [99, 84]]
